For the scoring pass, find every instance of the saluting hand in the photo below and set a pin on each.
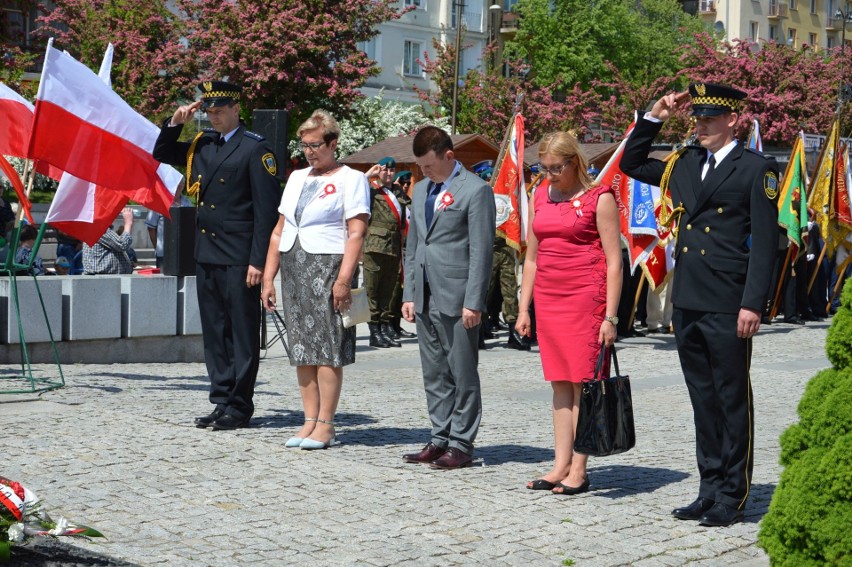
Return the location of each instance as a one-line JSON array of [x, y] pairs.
[[664, 107], [184, 113]]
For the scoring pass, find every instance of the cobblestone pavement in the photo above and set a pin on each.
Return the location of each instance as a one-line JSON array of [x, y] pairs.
[[116, 449]]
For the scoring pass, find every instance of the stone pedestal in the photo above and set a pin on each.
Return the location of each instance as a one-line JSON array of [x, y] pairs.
[[148, 306], [91, 307], [32, 317], [188, 317]]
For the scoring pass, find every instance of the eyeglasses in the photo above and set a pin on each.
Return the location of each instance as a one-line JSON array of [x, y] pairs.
[[556, 170], [315, 146]]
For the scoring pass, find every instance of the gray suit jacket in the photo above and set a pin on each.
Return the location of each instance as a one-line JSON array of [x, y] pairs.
[[455, 251]]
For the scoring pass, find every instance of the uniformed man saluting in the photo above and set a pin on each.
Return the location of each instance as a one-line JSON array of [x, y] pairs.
[[231, 173], [722, 193]]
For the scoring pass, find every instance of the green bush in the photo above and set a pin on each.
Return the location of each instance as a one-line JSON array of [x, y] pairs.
[[810, 517]]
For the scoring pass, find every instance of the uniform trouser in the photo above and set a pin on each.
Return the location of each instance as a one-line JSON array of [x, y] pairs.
[[381, 276], [230, 326], [716, 365], [659, 307], [503, 272], [449, 355]]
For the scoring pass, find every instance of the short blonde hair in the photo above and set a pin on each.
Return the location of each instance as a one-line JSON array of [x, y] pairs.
[[566, 146], [323, 120]]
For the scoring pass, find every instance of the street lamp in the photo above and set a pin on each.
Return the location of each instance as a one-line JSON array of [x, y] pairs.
[[459, 6]]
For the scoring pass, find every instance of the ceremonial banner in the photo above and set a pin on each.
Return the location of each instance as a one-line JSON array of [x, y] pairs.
[[842, 189], [821, 198], [86, 129], [659, 264], [638, 245], [82, 209], [792, 206], [509, 192]]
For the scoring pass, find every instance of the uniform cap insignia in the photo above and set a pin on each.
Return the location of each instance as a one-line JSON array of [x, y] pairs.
[[770, 185], [700, 89], [208, 85], [268, 160]]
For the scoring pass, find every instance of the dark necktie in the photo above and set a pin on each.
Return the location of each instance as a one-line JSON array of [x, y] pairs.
[[711, 165], [430, 203], [220, 141]]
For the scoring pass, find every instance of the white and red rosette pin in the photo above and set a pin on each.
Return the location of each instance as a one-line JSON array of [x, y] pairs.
[[447, 199], [329, 189]]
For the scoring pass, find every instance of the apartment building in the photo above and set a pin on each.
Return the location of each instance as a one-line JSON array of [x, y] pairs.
[[403, 44], [794, 22]]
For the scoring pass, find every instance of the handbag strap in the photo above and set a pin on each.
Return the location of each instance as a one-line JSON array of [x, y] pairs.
[[600, 363]]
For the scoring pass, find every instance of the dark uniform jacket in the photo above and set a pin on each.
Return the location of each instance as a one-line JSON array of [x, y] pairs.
[[239, 194], [384, 234], [717, 269]]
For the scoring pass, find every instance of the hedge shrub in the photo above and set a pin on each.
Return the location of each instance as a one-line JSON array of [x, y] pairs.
[[810, 517]]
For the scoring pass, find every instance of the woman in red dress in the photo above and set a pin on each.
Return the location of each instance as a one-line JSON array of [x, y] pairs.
[[573, 272]]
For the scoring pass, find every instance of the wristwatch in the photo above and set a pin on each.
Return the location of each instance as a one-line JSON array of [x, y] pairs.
[[613, 319]]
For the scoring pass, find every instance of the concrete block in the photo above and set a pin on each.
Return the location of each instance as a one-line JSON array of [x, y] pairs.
[[148, 306], [91, 307], [33, 320], [188, 317]]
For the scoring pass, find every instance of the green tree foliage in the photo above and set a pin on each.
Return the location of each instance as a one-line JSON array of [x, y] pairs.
[[811, 511], [572, 41]]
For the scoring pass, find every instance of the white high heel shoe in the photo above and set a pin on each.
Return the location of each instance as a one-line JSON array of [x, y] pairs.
[[294, 442], [309, 444]]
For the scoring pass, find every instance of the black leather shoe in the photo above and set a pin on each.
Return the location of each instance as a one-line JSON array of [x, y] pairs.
[[208, 420], [721, 515], [793, 321], [228, 422], [695, 510], [516, 341], [388, 334], [402, 333], [377, 339], [426, 455]]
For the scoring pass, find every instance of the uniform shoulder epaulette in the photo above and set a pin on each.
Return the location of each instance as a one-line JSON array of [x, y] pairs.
[[209, 131], [254, 135]]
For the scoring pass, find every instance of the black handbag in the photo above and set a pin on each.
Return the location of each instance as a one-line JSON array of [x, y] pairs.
[[605, 423]]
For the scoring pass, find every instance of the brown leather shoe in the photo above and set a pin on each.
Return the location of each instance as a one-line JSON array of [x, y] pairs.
[[428, 454], [453, 459]]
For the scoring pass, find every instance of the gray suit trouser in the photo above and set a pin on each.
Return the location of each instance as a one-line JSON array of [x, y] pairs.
[[449, 355]]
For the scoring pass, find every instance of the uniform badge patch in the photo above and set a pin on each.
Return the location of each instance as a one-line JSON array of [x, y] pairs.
[[269, 163], [770, 185]]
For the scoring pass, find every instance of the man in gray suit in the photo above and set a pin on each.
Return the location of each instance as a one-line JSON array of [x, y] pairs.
[[447, 268]]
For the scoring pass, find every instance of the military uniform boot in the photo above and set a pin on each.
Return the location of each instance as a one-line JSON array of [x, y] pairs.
[[388, 334], [400, 332], [377, 339], [516, 341]]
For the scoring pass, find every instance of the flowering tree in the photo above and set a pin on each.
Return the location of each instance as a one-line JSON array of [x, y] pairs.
[[14, 59], [288, 54], [486, 99], [788, 89]]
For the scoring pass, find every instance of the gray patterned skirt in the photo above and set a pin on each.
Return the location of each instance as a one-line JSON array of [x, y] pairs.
[[314, 329]]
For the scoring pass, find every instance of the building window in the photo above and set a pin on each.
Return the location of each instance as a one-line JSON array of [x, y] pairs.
[[812, 40], [753, 30], [813, 6], [509, 4], [829, 42], [791, 37], [773, 33], [369, 48], [13, 26], [794, 4], [415, 3], [410, 64]]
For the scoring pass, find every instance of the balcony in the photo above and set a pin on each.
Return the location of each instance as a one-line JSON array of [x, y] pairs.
[[706, 7], [472, 21], [777, 10], [509, 23]]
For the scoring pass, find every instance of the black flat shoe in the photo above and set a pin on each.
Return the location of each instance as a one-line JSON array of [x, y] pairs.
[[540, 484], [721, 515], [693, 511], [207, 420], [572, 490]]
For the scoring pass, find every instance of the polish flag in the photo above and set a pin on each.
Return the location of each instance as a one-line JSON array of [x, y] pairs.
[[83, 127], [82, 209], [9, 172], [17, 114]]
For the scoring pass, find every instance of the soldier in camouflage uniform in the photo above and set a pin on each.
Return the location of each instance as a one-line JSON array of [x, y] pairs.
[[383, 250]]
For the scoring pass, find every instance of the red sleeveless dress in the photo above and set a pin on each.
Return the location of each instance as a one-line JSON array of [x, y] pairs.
[[570, 284]]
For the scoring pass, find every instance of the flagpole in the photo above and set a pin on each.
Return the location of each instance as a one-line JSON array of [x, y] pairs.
[[29, 175], [507, 136], [773, 311], [635, 302]]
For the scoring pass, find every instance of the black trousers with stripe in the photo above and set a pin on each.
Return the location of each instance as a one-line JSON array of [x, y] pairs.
[[716, 364]]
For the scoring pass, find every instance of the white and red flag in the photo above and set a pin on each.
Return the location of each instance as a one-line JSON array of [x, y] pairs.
[[87, 130], [17, 115], [82, 209], [509, 191]]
